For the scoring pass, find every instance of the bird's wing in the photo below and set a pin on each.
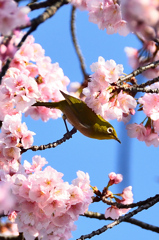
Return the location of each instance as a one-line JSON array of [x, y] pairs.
[[84, 114]]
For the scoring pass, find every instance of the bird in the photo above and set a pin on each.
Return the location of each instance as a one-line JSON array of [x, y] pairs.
[[83, 118]]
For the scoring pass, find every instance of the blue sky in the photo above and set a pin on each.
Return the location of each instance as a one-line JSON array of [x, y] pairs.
[[138, 163]]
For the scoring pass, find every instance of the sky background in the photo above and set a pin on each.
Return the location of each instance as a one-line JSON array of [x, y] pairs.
[[137, 162]]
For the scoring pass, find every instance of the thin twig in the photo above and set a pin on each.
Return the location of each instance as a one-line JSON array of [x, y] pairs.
[[67, 136], [138, 71], [121, 219], [135, 89], [131, 205], [75, 43], [148, 83], [133, 221]]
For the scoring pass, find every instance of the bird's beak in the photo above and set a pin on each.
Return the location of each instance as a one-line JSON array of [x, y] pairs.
[[117, 139]]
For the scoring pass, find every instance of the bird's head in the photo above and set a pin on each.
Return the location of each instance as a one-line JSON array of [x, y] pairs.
[[105, 131], [112, 133]]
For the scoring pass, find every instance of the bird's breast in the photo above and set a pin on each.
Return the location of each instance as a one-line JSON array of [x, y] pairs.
[[85, 129]]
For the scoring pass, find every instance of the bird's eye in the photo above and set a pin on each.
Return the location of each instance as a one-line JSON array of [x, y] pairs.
[[110, 130]]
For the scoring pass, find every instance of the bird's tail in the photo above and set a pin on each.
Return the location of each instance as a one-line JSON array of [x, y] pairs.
[[48, 104]]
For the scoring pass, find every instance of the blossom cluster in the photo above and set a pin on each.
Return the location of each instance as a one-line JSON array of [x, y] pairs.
[[46, 206], [138, 16], [100, 96], [105, 13], [103, 98], [150, 132], [31, 77], [143, 133], [142, 17], [126, 197], [12, 16], [7, 200], [14, 135]]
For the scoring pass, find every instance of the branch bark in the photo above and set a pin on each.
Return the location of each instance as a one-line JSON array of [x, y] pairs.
[[67, 136], [121, 219], [133, 221]]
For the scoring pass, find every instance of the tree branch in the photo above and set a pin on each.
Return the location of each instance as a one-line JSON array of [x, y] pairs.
[[133, 221], [138, 88], [148, 83], [67, 136], [132, 205], [44, 4], [121, 219], [75, 43], [138, 71]]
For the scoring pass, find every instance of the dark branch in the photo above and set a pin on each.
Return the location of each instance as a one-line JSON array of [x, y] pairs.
[[120, 205], [133, 221], [44, 4], [148, 83], [75, 43], [67, 136], [138, 71], [132, 205], [121, 219], [137, 88]]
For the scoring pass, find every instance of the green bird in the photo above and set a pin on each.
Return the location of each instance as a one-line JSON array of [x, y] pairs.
[[83, 118]]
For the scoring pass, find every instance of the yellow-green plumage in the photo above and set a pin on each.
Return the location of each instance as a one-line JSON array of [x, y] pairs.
[[83, 118]]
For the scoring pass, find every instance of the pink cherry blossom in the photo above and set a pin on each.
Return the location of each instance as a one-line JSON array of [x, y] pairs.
[[6, 198], [31, 77], [156, 126], [99, 94], [115, 178], [11, 153], [133, 56], [143, 133], [107, 14], [46, 205], [81, 4], [126, 102], [12, 16], [22, 90], [7, 50], [110, 70], [127, 198], [37, 163], [136, 131], [142, 17], [14, 135], [127, 195], [112, 212], [150, 105], [152, 138]]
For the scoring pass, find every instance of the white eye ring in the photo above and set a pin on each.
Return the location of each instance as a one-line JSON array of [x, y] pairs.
[[110, 130]]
